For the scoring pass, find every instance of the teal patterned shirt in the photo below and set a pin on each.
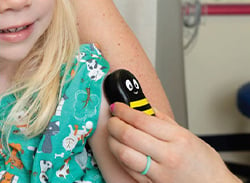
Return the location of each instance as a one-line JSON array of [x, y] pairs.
[[61, 154]]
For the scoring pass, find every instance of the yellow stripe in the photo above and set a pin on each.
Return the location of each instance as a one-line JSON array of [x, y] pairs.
[[149, 111], [139, 103]]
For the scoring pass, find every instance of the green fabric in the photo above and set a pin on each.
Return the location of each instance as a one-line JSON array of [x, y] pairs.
[[61, 154]]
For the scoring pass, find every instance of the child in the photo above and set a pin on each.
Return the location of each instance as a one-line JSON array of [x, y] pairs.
[[51, 98]]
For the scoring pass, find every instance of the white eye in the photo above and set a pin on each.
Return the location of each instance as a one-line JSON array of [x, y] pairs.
[[129, 85], [136, 84]]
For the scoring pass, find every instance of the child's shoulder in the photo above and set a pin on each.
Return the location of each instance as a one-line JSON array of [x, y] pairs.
[[90, 51], [92, 48], [90, 57]]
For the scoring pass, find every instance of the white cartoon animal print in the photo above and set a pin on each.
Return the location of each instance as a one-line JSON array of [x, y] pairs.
[[95, 70], [76, 135], [45, 166], [59, 155], [64, 170], [82, 181]]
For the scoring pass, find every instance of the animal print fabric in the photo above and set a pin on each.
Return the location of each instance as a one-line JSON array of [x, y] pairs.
[[61, 154]]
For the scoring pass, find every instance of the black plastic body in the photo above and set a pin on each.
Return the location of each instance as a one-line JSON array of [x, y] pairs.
[[122, 86]]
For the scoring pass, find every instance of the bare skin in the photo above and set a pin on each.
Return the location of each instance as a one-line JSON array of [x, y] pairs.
[[7, 70], [99, 21]]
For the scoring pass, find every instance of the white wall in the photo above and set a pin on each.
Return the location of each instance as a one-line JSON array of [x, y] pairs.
[[216, 66]]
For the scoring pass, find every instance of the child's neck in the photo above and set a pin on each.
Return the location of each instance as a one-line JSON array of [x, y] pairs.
[[4, 85], [7, 70]]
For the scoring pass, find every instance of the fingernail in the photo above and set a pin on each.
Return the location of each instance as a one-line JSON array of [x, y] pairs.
[[112, 106]]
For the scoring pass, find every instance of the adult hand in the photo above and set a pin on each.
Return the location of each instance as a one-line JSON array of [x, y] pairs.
[[178, 156]]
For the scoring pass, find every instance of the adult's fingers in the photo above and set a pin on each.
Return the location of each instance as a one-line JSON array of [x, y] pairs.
[[136, 139], [161, 129], [133, 161]]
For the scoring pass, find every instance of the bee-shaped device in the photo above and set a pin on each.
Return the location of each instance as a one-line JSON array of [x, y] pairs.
[[122, 86]]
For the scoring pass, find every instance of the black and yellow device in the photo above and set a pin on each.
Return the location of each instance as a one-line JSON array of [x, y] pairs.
[[122, 86]]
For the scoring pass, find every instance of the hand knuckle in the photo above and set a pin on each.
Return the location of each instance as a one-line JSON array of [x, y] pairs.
[[184, 139], [111, 123], [126, 135], [123, 155], [174, 161]]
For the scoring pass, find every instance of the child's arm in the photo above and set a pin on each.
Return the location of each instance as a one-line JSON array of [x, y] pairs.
[[109, 166], [100, 22]]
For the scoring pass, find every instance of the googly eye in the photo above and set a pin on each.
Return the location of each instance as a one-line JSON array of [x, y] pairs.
[[129, 85], [136, 84]]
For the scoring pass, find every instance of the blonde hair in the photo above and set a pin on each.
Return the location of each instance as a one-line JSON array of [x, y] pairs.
[[37, 83]]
